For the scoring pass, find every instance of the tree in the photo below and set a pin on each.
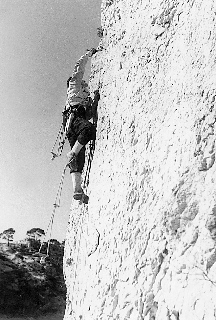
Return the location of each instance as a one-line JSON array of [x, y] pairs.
[[34, 238], [8, 235], [35, 234]]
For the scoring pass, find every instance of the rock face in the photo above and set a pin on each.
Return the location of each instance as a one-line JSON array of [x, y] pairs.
[[144, 247]]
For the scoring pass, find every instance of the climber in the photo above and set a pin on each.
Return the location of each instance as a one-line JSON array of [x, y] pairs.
[[78, 110]]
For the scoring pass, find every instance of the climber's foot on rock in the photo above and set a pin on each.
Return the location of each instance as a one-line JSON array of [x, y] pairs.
[[85, 198], [80, 195]]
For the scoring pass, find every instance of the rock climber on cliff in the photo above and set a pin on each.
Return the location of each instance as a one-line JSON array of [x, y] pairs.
[[78, 110]]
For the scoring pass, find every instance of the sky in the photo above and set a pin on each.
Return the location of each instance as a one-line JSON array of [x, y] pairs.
[[40, 41]]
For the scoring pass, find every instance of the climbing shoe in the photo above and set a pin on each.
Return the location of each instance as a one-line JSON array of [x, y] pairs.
[[78, 195], [85, 199], [72, 161], [81, 196]]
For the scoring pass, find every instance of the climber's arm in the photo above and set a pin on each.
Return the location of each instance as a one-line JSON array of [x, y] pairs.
[[78, 72], [77, 75]]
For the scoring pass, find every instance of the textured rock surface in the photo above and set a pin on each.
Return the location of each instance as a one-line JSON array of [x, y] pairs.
[[144, 248]]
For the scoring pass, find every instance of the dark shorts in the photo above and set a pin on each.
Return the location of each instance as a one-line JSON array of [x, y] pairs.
[[83, 131]]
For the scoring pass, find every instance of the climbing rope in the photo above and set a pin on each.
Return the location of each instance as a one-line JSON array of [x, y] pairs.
[[60, 139], [89, 162], [55, 206], [90, 158]]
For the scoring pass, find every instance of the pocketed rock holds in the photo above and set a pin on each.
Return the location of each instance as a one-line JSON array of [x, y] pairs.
[[153, 169], [211, 223], [207, 162]]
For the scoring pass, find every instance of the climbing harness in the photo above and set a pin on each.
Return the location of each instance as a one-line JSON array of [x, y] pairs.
[[68, 116]]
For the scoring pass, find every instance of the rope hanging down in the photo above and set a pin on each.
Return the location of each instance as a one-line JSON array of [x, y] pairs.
[[89, 162], [90, 157], [55, 206], [60, 140]]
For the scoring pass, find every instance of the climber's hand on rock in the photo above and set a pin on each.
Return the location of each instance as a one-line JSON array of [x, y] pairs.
[[91, 52], [96, 95]]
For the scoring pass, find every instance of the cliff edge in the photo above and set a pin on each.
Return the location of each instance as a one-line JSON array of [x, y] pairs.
[[144, 247]]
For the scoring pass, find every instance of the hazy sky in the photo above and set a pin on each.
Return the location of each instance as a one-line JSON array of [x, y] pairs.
[[40, 41]]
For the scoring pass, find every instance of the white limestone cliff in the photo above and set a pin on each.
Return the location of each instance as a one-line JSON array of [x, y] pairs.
[[144, 247]]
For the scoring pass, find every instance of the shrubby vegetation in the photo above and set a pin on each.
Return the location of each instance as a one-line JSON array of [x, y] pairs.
[[31, 283]]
